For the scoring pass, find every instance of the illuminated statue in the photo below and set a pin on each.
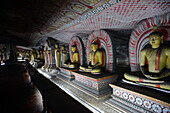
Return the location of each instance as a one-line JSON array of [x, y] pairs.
[[95, 60], [63, 55], [57, 55], [74, 58], [41, 54], [27, 54], [33, 56], [38, 55], [46, 61], [4, 54], [157, 70]]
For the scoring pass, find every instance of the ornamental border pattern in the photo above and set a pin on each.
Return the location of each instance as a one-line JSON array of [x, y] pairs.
[[94, 84], [142, 102]]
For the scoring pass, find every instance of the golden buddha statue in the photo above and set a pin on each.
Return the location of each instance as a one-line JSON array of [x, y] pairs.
[[157, 71], [95, 60], [27, 53], [57, 55], [63, 55], [33, 56], [74, 58], [38, 55]]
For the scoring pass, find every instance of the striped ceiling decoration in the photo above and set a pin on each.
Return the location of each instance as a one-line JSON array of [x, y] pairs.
[[31, 20], [114, 14]]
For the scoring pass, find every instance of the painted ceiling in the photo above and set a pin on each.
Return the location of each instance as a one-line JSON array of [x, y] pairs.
[[32, 21]]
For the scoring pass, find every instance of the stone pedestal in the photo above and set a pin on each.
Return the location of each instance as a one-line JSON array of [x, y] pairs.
[[94, 85], [139, 99], [66, 73]]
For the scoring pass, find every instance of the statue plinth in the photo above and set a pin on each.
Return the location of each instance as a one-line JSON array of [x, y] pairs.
[[94, 85], [138, 99], [66, 73]]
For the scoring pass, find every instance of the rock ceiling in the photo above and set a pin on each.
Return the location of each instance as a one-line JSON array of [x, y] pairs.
[[33, 21]]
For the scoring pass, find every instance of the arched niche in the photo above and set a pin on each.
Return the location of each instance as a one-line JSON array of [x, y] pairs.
[[106, 44], [139, 37], [80, 48]]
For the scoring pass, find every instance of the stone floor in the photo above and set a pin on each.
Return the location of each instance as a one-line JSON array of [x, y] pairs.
[[17, 94], [94, 104]]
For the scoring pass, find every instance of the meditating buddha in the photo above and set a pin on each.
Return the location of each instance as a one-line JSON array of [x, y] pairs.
[[57, 55], [74, 58], [154, 64], [63, 55], [95, 60]]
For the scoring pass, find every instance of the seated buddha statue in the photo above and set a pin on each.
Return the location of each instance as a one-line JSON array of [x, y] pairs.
[[95, 60], [57, 55], [154, 64], [74, 63]]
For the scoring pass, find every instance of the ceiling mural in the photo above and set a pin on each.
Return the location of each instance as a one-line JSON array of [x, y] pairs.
[[62, 19], [113, 14]]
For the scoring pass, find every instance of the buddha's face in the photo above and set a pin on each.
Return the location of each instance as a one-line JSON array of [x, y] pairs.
[[56, 45], [155, 40], [62, 47], [73, 49], [94, 47]]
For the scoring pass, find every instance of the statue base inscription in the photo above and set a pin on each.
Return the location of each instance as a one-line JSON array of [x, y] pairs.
[[94, 85], [139, 99]]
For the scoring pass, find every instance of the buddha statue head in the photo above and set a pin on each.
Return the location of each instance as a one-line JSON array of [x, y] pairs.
[[56, 45], [155, 39], [73, 48], [94, 46], [63, 47]]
